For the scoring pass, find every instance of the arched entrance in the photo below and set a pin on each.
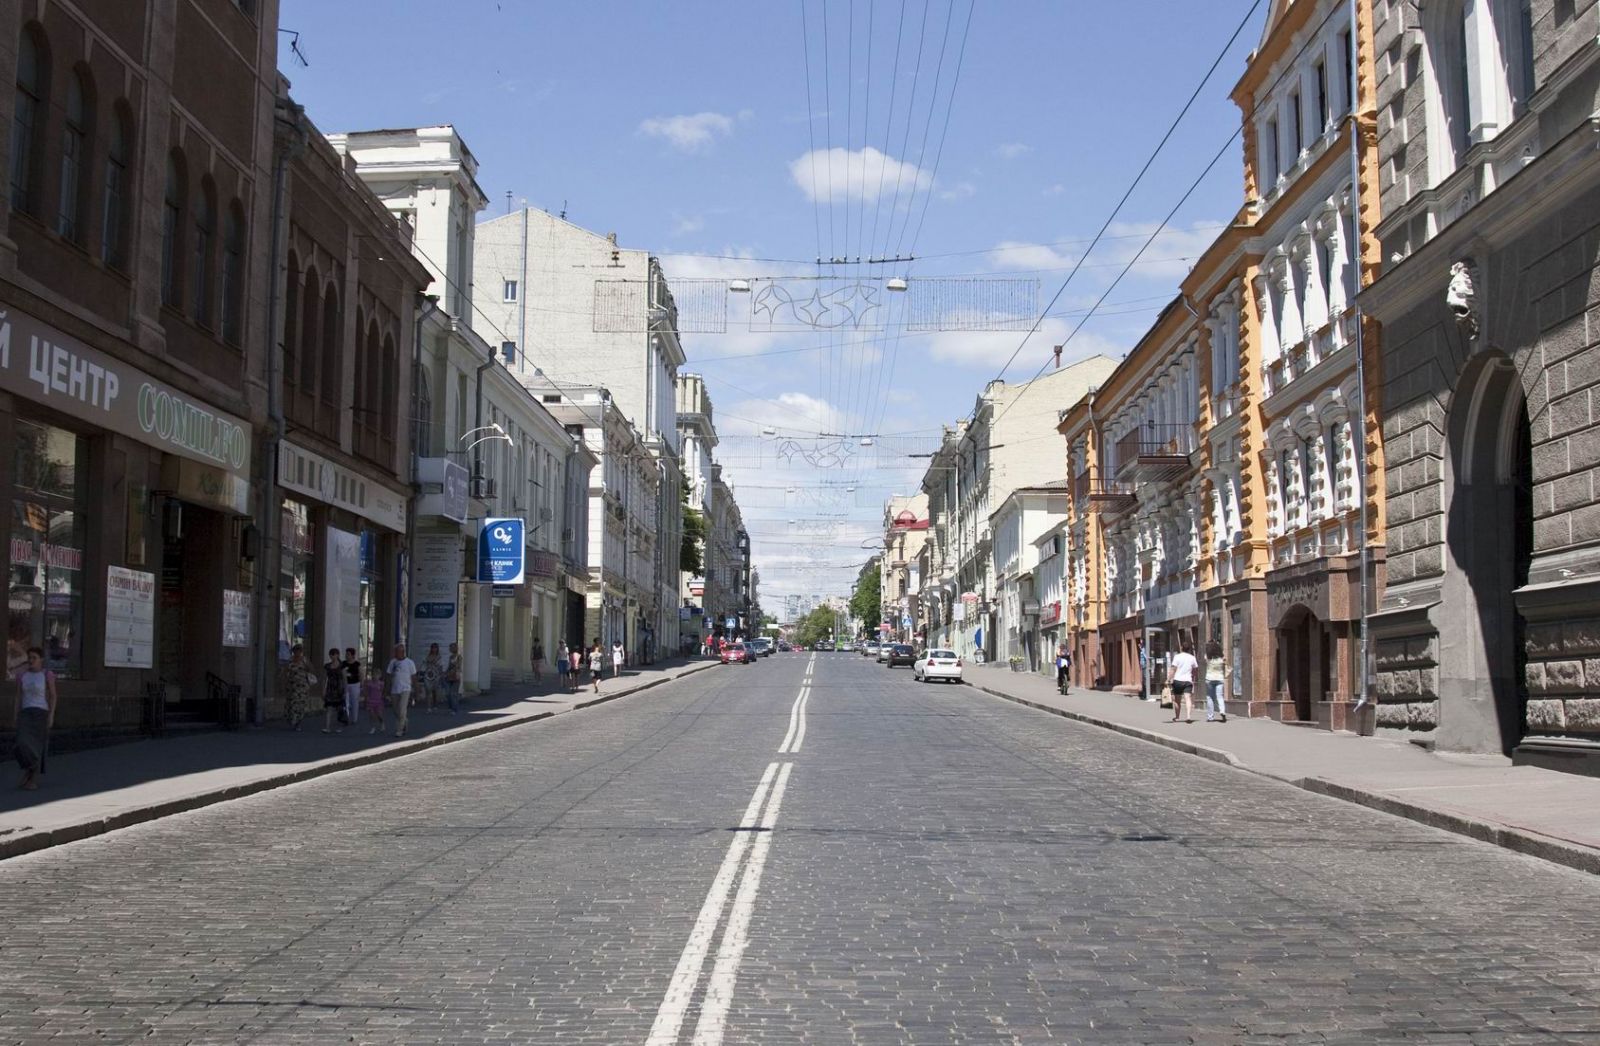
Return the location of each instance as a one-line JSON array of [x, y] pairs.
[[1302, 668], [1489, 544]]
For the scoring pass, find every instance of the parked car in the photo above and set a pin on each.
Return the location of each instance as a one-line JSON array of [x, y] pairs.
[[783, 646], [738, 654], [869, 648], [900, 654], [937, 664], [762, 646], [882, 653]]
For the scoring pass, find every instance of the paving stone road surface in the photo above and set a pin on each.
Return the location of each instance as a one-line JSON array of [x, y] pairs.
[[944, 868]]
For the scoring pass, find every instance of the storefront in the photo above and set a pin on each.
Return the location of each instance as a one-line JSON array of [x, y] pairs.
[[129, 557], [1314, 612]]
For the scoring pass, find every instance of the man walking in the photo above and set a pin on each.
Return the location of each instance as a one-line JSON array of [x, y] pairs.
[[1183, 668], [401, 671]]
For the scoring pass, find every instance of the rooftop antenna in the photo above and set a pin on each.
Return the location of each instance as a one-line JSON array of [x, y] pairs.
[[294, 46], [563, 210], [508, 201]]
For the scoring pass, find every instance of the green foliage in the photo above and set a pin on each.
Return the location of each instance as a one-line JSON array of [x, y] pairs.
[[815, 626], [867, 603], [691, 557]]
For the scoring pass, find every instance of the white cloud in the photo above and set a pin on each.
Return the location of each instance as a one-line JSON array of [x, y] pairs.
[[688, 133], [687, 223], [989, 350], [959, 191], [1053, 190], [836, 175], [1012, 150], [1010, 254]]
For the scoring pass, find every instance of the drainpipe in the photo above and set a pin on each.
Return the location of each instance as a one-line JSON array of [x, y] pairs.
[[477, 423], [428, 304], [1364, 673], [289, 139]]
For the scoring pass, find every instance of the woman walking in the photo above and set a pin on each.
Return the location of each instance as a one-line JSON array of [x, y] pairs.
[[452, 679], [616, 658], [1183, 664], [372, 697], [563, 664], [32, 716], [596, 664], [352, 686], [295, 680], [1216, 672], [332, 690], [432, 676], [537, 657], [577, 666]]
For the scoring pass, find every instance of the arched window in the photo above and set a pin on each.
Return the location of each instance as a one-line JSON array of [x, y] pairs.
[[422, 423], [360, 398], [172, 233], [291, 319], [310, 328], [332, 343], [233, 274], [114, 223], [205, 232], [388, 373], [33, 73], [1480, 74], [75, 156]]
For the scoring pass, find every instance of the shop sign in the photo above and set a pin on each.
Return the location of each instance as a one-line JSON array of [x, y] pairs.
[[501, 552], [1173, 606], [341, 585], [435, 577], [503, 591], [235, 618], [206, 485], [130, 618], [444, 486], [1050, 613], [542, 564], [45, 365], [309, 473]]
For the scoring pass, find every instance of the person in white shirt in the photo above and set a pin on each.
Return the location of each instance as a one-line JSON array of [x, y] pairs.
[[1183, 669], [401, 671]]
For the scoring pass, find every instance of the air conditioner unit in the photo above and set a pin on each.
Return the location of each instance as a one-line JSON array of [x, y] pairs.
[[566, 533], [483, 488], [545, 515]]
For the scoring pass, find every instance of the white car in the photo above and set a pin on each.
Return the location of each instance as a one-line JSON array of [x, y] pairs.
[[937, 664]]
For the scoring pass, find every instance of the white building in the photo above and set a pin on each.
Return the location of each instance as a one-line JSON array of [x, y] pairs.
[[1050, 590], [573, 308], [1017, 524], [487, 448]]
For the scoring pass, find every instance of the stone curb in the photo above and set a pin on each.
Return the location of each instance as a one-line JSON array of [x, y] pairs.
[[31, 842], [1556, 851]]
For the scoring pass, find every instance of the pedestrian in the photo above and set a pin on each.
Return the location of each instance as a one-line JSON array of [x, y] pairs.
[[452, 679], [1062, 664], [332, 690], [538, 661], [1183, 667], [577, 667], [596, 663], [32, 715], [372, 697], [616, 658], [432, 676], [295, 680], [1216, 672], [563, 664], [352, 686], [401, 671]]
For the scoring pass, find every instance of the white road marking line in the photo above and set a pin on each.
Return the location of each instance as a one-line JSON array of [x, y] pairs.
[[736, 937], [805, 699], [795, 721], [675, 1004]]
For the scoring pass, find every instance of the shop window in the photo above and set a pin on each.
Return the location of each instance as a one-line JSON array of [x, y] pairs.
[[296, 569], [233, 275], [46, 585], [33, 73], [74, 154], [172, 231], [114, 222], [205, 231], [371, 592]]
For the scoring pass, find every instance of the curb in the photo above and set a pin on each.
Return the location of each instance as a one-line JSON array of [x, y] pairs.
[[1532, 844], [32, 842]]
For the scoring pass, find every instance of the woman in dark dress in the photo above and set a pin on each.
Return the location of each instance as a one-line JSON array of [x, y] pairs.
[[332, 690]]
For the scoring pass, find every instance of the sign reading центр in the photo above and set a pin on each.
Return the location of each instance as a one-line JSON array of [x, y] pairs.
[[500, 551]]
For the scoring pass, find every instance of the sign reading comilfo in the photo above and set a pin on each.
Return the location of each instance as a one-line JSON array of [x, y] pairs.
[[500, 551]]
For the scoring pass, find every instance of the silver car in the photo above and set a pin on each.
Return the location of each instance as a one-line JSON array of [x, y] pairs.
[[937, 664]]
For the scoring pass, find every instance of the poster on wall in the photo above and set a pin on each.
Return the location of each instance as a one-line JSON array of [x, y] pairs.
[[235, 618], [341, 585], [130, 618], [435, 577]]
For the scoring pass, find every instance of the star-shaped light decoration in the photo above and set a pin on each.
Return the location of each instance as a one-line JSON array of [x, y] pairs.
[[813, 309], [856, 299]]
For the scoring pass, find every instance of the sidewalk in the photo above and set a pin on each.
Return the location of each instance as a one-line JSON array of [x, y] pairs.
[[102, 789], [1550, 815]]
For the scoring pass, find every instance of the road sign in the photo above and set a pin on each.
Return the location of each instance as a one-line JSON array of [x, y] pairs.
[[500, 551]]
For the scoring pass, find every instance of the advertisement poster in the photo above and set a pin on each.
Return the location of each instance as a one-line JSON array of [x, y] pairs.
[[435, 576], [501, 552], [341, 583], [235, 618], [130, 618]]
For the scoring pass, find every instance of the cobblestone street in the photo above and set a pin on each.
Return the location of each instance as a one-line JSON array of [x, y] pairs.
[[945, 868]]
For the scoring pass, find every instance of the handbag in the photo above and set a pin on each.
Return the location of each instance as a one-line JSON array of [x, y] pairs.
[[1166, 696]]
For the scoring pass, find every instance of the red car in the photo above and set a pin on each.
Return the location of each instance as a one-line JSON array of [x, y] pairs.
[[737, 654]]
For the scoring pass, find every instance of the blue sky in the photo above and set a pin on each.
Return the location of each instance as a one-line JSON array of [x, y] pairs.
[[685, 128]]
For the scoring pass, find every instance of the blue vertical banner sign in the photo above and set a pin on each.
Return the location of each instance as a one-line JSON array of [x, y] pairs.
[[500, 551]]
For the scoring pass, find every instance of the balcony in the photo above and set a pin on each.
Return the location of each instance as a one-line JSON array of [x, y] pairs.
[[1080, 486], [1154, 452], [1111, 495]]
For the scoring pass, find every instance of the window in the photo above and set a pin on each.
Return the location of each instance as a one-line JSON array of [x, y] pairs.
[[508, 352], [171, 230], [296, 570], [508, 291], [1333, 441], [32, 75], [1297, 116], [205, 228], [1271, 147], [233, 275], [113, 234], [50, 473], [74, 154], [1524, 82], [1324, 117], [1347, 63]]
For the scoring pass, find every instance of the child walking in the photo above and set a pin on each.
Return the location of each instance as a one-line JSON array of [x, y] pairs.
[[372, 697]]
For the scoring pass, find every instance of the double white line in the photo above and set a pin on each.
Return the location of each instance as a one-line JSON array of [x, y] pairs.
[[735, 935], [797, 723]]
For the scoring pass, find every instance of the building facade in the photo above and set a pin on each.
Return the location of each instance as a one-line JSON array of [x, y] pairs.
[[1488, 632], [1017, 523], [905, 531]]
